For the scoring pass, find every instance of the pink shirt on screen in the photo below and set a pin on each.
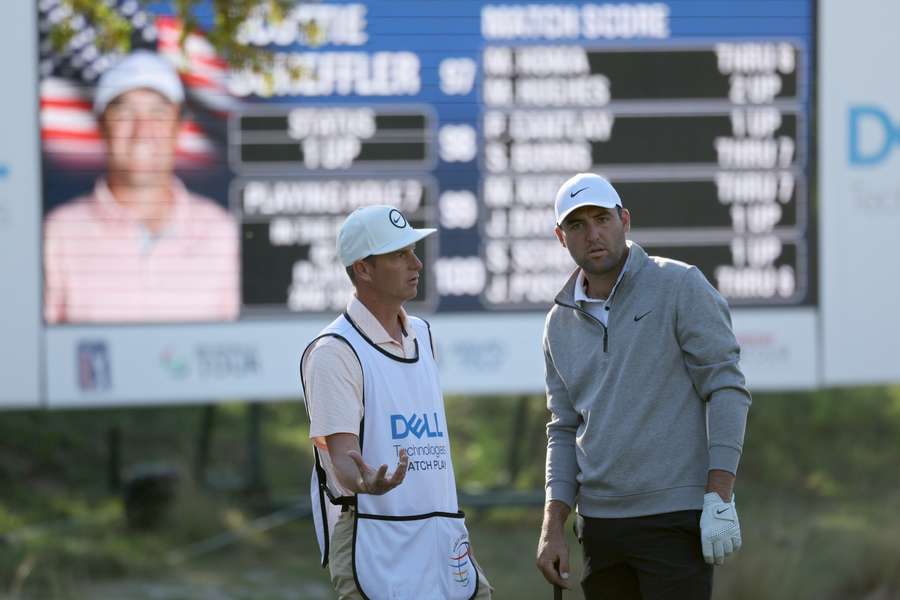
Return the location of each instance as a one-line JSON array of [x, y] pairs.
[[101, 264]]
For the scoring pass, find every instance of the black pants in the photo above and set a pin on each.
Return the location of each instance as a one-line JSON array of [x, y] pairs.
[[644, 558]]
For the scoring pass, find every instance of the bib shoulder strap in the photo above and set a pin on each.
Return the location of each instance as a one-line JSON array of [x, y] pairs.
[[423, 330]]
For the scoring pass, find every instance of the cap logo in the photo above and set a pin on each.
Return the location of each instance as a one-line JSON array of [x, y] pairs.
[[573, 194], [397, 219]]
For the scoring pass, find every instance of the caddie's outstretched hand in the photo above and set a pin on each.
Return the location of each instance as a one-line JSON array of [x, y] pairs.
[[378, 482]]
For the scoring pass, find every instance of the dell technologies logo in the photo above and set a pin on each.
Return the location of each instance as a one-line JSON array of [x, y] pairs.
[[420, 426], [872, 135]]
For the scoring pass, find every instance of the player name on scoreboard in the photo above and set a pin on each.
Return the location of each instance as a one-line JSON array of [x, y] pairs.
[[706, 145]]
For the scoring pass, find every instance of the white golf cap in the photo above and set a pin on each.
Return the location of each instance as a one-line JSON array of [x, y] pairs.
[[374, 230], [585, 189], [140, 69]]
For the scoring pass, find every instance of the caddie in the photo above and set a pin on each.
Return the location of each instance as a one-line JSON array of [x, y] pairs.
[[373, 397]]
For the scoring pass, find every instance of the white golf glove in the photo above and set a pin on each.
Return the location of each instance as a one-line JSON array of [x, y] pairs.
[[720, 531]]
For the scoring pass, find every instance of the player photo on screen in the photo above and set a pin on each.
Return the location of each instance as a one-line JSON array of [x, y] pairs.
[[178, 188], [136, 226]]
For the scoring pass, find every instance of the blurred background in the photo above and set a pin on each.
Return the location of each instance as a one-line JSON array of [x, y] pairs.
[[153, 440]]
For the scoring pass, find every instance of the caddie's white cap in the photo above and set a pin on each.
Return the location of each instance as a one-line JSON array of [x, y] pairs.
[[140, 69], [585, 189], [374, 230]]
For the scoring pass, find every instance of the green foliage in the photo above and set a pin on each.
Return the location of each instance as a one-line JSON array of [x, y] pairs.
[[817, 493], [62, 528], [837, 444], [114, 32], [498, 442]]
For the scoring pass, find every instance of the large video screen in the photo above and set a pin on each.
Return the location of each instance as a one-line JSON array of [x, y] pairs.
[[465, 116], [220, 202]]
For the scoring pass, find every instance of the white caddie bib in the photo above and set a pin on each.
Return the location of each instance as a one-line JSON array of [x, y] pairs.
[[411, 543]]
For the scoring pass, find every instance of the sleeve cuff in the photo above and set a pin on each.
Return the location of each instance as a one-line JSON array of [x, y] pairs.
[[563, 492], [724, 458]]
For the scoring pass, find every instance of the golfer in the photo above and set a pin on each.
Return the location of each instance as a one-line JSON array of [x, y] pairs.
[[648, 409]]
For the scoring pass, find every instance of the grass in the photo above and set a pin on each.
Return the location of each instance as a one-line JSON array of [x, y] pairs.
[[817, 497]]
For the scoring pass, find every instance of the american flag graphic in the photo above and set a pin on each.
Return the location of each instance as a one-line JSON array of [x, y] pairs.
[[68, 76]]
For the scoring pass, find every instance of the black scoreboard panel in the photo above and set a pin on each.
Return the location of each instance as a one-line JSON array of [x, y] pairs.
[[288, 232], [660, 139], [755, 267], [328, 138], [525, 272], [660, 75], [742, 73], [745, 202], [706, 145]]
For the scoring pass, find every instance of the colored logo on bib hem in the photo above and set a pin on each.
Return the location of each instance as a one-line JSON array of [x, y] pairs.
[[459, 562]]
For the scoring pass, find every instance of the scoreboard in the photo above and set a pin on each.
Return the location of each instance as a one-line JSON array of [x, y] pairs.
[[467, 116], [470, 122]]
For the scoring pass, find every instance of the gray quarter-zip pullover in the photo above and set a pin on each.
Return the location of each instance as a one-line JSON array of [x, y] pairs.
[[630, 401]]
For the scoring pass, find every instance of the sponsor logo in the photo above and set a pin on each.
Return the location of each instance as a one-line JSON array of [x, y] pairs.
[[423, 425], [573, 194], [460, 561], [872, 135], [764, 350], [479, 355], [94, 373], [638, 318], [174, 363], [425, 457], [397, 219], [220, 361], [211, 362]]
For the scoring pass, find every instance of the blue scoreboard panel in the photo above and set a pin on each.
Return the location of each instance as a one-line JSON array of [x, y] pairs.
[[468, 116]]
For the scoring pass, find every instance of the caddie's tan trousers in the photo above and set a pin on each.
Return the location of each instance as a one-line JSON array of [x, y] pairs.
[[340, 563]]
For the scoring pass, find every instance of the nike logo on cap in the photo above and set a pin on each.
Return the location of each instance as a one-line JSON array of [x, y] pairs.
[[397, 219], [573, 194]]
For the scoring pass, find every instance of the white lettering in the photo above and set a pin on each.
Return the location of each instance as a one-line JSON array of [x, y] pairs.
[[593, 21], [542, 157], [340, 197], [755, 58], [541, 61], [590, 90], [332, 74], [308, 23], [625, 21]]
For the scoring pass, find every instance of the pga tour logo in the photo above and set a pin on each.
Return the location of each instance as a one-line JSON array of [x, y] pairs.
[[419, 425]]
